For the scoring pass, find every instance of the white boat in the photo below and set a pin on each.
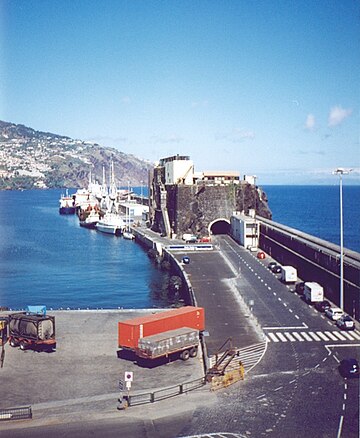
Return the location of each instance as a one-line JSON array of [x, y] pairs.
[[67, 204], [111, 223], [91, 220], [128, 235]]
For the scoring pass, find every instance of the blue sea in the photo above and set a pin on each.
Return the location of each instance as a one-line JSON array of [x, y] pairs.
[[48, 259], [316, 211]]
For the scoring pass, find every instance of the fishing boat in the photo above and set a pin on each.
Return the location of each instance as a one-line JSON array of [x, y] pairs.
[[111, 223], [67, 204], [91, 219]]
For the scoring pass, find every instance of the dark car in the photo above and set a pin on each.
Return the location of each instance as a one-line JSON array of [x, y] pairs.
[[300, 288], [349, 368], [321, 306], [276, 269], [345, 323], [271, 265], [186, 260]]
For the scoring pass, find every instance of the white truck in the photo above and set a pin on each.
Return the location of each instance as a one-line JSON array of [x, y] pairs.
[[313, 292], [189, 238], [288, 274]]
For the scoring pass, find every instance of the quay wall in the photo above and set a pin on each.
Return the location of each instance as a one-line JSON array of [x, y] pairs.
[[315, 260], [175, 267]]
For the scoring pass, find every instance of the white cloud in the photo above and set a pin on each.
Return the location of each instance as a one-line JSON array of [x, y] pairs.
[[166, 139], [197, 104], [337, 115], [236, 136], [310, 122], [126, 100]]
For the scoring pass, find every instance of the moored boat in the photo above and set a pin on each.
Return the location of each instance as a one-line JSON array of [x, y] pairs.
[[128, 235], [111, 223], [67, 204], [90, 220]]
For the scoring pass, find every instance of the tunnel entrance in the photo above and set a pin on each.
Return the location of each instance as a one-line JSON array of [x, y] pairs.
[[220, 226]]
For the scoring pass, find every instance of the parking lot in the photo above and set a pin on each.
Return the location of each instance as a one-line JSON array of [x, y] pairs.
[[85, 369]]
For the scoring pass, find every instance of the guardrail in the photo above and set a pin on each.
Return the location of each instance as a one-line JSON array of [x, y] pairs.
[[22, 413], [162, 394]]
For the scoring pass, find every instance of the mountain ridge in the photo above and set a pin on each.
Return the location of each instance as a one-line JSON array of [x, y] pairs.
[[36, 159]]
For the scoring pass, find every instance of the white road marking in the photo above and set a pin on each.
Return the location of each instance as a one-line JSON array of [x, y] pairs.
[[306, 336], [322, 336], [273, 337], [297, 335], [331, 336], [340, 427], [340, 336], [314, 336], [281, 336], [290, 337]]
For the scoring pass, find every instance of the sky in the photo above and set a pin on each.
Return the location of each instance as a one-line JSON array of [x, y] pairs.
[[267, 88]]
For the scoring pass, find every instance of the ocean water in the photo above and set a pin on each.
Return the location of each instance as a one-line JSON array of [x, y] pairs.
[[48, 259], [316, 211]]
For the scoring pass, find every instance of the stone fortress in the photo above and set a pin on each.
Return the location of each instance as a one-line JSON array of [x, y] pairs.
[[202, 203]]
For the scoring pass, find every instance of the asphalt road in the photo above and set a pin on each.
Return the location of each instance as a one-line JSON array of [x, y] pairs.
[[296, 389]]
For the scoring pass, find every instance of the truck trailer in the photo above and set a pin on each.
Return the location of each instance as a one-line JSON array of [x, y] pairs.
[[313, 292], [31, 330], [163, 334]]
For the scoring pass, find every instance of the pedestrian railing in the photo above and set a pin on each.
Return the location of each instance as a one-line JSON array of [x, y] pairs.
[[16, 413], [162, 394]]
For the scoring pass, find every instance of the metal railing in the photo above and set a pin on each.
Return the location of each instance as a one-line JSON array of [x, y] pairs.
[[162, 394], [16, 413]]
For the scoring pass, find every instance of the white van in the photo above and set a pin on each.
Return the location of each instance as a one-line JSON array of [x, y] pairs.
[[288, 274], [313, 292]]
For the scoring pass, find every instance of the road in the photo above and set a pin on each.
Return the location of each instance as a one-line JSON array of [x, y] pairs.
[[296, 389]]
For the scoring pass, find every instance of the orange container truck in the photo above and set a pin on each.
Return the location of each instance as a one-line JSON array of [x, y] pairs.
[[163, 333]]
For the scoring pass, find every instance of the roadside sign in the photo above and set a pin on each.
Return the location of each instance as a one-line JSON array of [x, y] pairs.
[[128, 385], [129, 376]]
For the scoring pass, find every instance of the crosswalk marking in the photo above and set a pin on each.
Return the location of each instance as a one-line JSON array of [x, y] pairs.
[[340, 336], [314, 336], [356, 335], [289, 336], [273, 337], [310, 336], [281, 336], [306, 336], [331, 336], [347, 335], [322, 336]]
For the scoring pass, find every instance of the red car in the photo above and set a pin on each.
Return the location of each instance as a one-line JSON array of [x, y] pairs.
[[261, 255]]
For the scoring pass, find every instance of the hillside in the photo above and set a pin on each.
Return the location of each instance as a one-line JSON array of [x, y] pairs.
[[35, 159]]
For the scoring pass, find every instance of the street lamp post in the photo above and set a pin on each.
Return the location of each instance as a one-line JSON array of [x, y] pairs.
[[340, 172]]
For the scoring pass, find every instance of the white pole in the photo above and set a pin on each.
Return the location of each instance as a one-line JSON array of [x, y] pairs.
[[340, 172], [341, 247]]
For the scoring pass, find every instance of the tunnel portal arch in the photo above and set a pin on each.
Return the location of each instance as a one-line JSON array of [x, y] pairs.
[[219, 226]]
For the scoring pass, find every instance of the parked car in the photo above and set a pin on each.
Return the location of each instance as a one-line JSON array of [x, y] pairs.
[[186, 260], [345, 323], [252, 248], [334, 313], [261, 255], [276, 269], [271, 265], [349, 368], [321, 306], [300, 287]]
